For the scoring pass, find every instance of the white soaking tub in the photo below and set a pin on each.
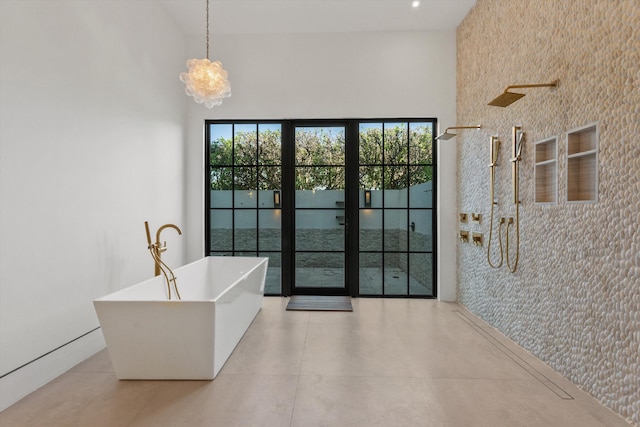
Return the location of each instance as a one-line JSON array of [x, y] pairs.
[[151, 337]]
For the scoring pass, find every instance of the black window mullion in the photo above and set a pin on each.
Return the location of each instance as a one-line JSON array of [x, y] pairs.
[[207, 192], [352, 202], [407, 222], [233, 189], [287, 206]]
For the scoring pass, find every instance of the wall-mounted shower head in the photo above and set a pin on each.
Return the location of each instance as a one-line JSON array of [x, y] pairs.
[[448, 135], [507, 98]]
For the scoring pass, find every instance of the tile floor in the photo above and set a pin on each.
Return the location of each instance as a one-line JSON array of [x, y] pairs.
[[390, 362]]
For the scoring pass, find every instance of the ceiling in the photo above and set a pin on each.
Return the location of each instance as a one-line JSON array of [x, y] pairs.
[[315, 16]]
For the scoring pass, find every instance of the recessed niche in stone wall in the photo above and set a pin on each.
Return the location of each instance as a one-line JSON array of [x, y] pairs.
[[546, 167], [582, 164]]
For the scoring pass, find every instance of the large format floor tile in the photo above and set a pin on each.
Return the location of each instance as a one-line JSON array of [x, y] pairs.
[[365, 401], [390, 362]]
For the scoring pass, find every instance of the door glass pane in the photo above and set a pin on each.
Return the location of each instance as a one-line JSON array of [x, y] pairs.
[[396, 143], [270, 143], [370, 230], [395, 184], [319, 146], [318, 178], [269, 178], [421, 230], [245, 230], [269, 232], [317, 199], [421, 274], [269, 199], [320, 270], [221, 233], [395, 273], [245, 186], [395, 230], [221, 178], [421, 188], [371, 273], [370, 140], [273, 283], [245, 144], [320, 230], [220, 144], [245, 198], [420, 143], [221, 195], [371, 180]]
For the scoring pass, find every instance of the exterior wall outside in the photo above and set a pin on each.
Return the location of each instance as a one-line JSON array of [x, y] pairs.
[[574, 300]]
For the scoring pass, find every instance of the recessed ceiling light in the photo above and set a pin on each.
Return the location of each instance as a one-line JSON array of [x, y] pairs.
[[416, 3]]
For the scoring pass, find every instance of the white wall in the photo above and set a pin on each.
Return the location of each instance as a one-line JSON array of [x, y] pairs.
[[91, 143], [351, 75]]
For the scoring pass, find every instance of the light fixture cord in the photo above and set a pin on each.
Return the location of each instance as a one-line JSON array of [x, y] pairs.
[[207, 29]]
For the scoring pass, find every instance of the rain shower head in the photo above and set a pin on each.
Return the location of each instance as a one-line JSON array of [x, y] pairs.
[[507, 98], [448, 135]]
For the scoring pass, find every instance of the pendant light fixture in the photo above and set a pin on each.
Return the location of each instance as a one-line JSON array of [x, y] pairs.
[[206, 81]]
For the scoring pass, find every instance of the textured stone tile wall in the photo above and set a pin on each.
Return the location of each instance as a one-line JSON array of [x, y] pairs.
[[574, 300]]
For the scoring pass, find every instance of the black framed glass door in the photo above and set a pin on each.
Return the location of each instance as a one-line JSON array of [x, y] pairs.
[[320, 220]]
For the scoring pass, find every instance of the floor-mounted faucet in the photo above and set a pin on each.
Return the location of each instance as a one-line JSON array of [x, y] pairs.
[[156, 250], [159, 247]]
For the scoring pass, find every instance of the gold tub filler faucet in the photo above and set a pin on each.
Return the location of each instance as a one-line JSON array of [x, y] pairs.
[[156, 250]]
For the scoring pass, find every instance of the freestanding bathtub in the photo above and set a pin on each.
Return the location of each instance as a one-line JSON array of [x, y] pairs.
[[151, 337]]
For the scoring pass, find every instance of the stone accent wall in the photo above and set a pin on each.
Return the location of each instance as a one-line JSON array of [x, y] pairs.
[[574, 300]]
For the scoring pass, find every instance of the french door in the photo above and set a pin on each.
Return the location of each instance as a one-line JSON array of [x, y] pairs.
[[320, 231], [340, 207]]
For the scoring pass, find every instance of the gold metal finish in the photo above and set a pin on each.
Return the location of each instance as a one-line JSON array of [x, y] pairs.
[[463, 217], [517, 141], [464, 236], [494, 150], [476, 217], [448, 135], [507, 98], [156, 250], [476, 238]]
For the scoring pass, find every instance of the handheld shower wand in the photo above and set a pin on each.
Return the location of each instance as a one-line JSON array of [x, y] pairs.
[[517, 139], [494, 149]]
